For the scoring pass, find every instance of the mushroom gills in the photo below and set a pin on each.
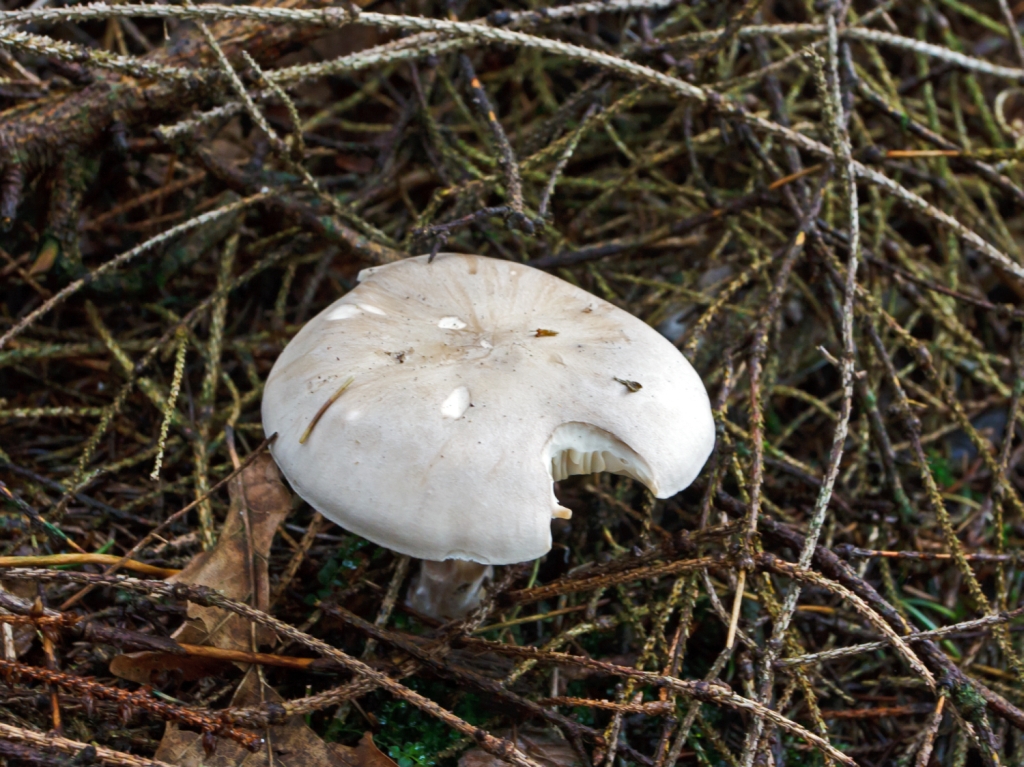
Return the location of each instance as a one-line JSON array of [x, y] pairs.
[[582, 448]]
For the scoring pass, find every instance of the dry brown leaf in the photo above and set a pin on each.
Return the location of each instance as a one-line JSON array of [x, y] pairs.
[[544, 748], [236, 567], [365, 754], [292, 744], [153, 667]]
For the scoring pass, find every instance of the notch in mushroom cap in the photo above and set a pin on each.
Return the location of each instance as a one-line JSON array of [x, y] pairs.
[[474, 384]]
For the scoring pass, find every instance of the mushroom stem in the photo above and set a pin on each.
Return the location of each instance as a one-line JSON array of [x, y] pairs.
[[450, 589]]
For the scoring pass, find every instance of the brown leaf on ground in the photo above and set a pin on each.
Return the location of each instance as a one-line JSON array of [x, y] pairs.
[[152, 667], [544, 748], [292, 744], [365, 754], [236, 567]]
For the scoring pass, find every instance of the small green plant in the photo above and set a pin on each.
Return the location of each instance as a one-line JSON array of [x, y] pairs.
[[413, 738], [411, 754], [940, 468]]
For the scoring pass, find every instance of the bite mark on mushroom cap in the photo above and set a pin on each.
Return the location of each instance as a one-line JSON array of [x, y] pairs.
[[455, 450]]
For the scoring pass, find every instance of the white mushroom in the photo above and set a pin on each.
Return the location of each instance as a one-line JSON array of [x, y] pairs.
[[432, 408]]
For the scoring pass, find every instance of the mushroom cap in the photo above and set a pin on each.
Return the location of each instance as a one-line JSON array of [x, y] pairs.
[[473, 383]]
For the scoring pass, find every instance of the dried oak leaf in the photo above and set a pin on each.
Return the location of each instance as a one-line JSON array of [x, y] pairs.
[[236, 567], [292, 744]]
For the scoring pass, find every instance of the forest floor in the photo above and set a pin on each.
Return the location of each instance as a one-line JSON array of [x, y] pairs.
[[818, 203]]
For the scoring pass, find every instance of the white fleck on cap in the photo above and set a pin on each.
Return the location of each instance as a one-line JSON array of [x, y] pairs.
[[468, 385]]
